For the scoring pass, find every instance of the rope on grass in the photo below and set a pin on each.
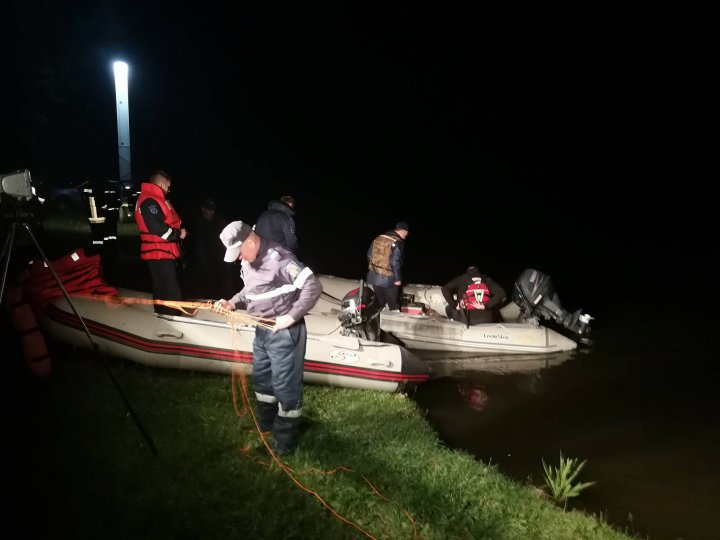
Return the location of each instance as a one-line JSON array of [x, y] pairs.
[[239, 375], [239, 317]]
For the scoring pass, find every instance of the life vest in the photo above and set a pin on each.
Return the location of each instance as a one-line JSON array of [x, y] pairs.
[[476, 293], [380, 256], [153, 247], [78, 273]]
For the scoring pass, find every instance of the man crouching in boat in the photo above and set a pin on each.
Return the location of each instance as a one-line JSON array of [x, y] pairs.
[[473, 298], [276, 286]]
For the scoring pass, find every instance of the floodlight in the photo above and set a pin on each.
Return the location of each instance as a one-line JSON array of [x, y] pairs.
[[17, 184]]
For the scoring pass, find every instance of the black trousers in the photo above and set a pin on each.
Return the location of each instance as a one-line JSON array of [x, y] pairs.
[[387, 295], [165, 284], [477, 316]]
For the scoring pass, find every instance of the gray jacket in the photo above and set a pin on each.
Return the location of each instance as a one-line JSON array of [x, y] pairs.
[[276, 283]]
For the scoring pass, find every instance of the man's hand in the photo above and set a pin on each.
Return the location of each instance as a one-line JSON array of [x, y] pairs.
[[398, 283], [477, 305], [283, 321], [223, 304], [183, 233]]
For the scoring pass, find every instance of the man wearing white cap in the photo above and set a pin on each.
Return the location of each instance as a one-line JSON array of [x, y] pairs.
[[276, 286]]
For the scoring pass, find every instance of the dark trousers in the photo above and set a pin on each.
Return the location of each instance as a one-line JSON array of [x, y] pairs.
[[476, 316], [387, 295], [165, 284], [277, 373]]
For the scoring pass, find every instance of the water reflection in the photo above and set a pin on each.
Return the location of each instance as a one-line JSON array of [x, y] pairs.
[[466, 365], [480, 380], [642, 411], [463, 385]]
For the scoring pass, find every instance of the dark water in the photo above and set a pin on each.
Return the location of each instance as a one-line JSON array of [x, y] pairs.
[[641, 406]]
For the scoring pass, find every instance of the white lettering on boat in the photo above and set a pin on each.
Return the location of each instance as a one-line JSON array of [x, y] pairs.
[[495, 336]]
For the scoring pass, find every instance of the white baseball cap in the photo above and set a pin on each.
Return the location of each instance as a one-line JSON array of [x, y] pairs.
[[232, 238]]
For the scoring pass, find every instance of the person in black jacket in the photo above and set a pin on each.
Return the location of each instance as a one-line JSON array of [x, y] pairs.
[[207, 275], [277, 223], [473, 298]]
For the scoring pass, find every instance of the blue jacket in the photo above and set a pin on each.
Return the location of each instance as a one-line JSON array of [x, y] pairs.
[[277, 223], [385, 268]]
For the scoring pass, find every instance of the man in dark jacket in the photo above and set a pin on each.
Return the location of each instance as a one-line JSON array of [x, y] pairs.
[[207, 275], [473, 298], [277, 223], [385, 259]]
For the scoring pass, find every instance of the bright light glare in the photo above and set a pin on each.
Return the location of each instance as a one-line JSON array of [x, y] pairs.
[[121, 70]]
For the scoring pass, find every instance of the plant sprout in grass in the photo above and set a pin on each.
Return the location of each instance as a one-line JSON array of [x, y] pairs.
[[561, 480]]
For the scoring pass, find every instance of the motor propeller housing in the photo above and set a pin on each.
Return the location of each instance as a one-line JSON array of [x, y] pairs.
[[359, 314], [535, 294]]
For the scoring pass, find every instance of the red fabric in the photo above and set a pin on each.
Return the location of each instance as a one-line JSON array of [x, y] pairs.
[[476, 293], [78, 273], [153, 247]]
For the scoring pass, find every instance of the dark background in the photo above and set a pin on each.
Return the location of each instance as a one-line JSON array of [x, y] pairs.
[[580, 140], [577, 140]]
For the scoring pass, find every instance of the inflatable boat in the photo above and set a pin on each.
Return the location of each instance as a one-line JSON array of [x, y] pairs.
[[420, 324], [123, 326]]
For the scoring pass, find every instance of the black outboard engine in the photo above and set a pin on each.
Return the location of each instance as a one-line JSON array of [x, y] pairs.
[[535, 294], [360, 314]]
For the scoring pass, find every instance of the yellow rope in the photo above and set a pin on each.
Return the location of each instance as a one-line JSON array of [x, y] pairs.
[[189, 308]]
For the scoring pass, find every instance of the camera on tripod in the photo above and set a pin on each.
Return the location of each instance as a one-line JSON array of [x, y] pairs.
[[17, 194], [18, 184]]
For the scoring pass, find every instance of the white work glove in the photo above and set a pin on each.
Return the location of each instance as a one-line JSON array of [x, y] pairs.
[[283, 321], [223, 304]]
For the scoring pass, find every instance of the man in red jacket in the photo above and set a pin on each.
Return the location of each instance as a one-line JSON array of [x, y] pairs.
[[160, 234]]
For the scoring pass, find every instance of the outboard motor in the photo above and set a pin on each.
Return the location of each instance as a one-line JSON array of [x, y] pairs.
[[360, 314], [535, 294]]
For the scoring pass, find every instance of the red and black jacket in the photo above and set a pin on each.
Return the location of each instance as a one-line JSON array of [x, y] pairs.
[[159, 224], [466, 290]]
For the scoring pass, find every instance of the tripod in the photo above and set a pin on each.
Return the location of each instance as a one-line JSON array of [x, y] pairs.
[[6, 256]]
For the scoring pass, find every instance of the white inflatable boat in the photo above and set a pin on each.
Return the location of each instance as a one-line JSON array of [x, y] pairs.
[[207, 342], [421, 323]]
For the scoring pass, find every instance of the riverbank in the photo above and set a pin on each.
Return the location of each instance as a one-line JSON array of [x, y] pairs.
[[86, 470]]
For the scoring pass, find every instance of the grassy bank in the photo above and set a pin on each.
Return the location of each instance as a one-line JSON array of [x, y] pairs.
[[87, 471]]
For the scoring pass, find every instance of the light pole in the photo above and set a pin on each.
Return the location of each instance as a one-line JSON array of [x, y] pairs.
[[123, 121]]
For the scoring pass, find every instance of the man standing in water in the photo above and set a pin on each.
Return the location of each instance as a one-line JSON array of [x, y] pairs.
[[276, 286]]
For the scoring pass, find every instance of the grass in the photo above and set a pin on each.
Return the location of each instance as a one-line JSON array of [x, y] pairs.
[[86, 470]]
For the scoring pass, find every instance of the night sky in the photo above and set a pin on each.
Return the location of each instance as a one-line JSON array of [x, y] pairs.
[[577, 140]]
